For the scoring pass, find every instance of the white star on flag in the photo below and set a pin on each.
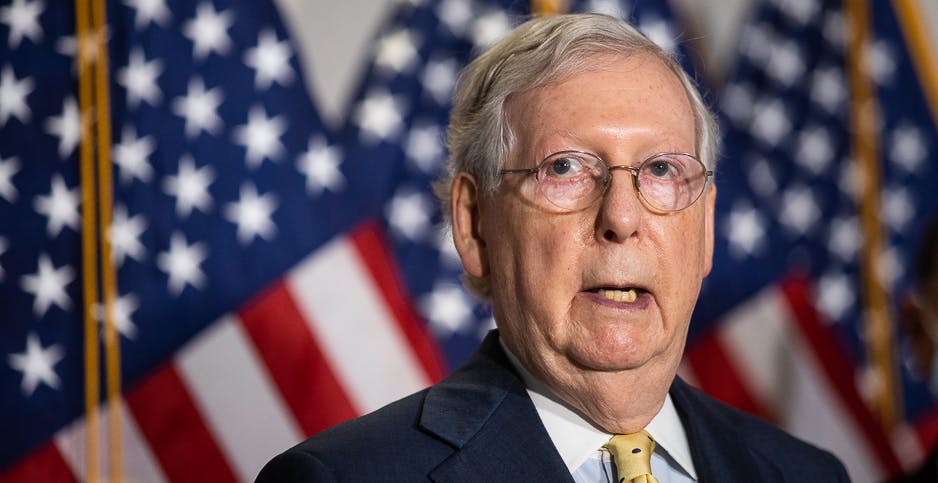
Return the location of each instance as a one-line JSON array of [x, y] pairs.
[[320, 165], [23, 19], [489, 28], [835, 28], [736, 103], [908, 147], [139, 78], [424, 146], [36, 364], [261, 136], [270, 60], [815, 150], [785, 64], [439, 77], [762, 178], [881, 63], [131, 154], [181, 263], [756, 42], [47, 285], [379, 116], [834, 295], [8, 168], [801, 10], [827, 88], [60, 207], [252, 214], [200, 108], [190, 187], [397, 51], [844, 239], [408, 213], [13, 94], [455, 14], [209, 31], [799, 210], [124, 235], [771, 122], [898, 208], [149, 11], [448, 308], [123, 308], [66, 127], [746, 230]]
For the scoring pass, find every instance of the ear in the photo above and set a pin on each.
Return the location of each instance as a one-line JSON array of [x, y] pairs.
[[710, 199], [467, 222]]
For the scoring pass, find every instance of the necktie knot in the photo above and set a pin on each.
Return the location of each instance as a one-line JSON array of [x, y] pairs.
[[632, 456]]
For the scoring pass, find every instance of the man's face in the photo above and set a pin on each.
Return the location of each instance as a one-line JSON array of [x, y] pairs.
[[555, 275]]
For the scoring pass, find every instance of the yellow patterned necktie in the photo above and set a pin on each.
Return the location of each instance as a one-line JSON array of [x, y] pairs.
[[632, 456]]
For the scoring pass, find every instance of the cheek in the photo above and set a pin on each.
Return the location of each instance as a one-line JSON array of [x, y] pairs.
[[689, 244], [538, 264], [682, 255]]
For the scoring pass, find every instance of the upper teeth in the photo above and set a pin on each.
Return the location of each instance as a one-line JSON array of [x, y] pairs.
[[629, 295]]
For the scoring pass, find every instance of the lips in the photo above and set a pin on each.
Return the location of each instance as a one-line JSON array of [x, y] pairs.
[[619, 295], [624, 293]]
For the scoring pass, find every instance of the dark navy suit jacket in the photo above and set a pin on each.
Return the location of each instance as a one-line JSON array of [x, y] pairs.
[[479, 424]]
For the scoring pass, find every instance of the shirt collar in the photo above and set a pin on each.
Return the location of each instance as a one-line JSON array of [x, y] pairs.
[[576, 439]]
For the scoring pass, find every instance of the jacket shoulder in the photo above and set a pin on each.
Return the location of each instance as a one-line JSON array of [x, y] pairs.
[[769, 444], [384, 445]]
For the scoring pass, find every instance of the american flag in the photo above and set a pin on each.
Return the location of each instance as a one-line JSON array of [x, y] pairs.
[[272, 276], [779, 325], [276, 278], [225, 179]]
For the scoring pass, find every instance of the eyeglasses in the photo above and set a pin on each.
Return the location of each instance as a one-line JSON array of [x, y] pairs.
[[574, 180]]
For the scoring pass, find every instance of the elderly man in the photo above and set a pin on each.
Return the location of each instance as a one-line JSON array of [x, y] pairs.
[[581, 201]]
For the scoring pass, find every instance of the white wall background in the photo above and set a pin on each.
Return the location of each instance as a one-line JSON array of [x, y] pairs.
[[335, 36]]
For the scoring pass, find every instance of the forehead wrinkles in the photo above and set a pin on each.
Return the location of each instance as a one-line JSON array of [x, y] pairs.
[[530, 113], [516, 102]]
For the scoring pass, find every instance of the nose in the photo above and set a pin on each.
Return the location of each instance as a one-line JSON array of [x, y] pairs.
[[620, 213]]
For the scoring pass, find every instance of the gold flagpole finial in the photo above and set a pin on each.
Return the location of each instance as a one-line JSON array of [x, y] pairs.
[[548, 7]]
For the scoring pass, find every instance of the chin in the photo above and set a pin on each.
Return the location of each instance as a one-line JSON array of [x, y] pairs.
[[617, 353]]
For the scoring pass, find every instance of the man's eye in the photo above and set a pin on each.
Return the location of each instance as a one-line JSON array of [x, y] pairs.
[[564, 168], [662, 169]]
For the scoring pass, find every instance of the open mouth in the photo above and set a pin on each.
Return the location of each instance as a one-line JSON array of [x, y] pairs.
[[627, 294]]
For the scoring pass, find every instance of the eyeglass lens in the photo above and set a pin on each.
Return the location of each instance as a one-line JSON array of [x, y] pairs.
[[667, 182]]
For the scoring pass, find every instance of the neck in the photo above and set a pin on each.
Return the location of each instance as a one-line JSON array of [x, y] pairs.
[[617, 402]]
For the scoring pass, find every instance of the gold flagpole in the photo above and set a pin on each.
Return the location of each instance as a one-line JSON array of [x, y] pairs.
[[108, 276], [864, 119], [83, 35]]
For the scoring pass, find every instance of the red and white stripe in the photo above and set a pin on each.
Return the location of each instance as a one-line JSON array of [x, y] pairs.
[[335, 338]]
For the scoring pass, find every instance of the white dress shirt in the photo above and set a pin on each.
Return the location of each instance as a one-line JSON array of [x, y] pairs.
[[579, 442]]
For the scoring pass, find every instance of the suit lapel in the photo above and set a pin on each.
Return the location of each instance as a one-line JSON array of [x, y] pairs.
[[484, 412], [719, 452]]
